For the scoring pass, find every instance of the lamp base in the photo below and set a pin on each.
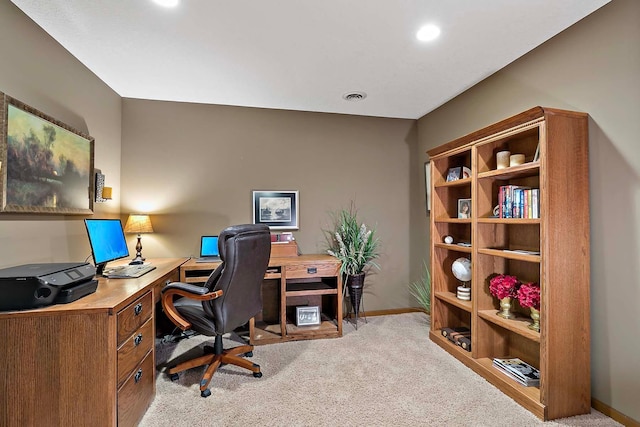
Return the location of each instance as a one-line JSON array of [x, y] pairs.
[[137, 260]]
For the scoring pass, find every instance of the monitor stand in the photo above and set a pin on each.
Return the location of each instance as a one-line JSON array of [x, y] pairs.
[[100, 268]]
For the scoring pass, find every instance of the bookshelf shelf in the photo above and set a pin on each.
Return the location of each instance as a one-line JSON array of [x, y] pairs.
[[549, 245], [509, 255], [519, 325], [515, 221], [451, 298]]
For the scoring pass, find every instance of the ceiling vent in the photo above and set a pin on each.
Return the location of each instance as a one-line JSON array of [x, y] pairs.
[[354, 96]]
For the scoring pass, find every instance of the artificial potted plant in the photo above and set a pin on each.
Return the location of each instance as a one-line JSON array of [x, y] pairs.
[[356, 246], [421, 290]]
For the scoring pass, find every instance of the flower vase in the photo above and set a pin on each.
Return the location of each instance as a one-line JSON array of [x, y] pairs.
[[535, 315], [505, 309]]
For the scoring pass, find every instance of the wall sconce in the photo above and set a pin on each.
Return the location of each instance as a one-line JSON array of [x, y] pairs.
[[106, 193], [138, 224], [102, 193]]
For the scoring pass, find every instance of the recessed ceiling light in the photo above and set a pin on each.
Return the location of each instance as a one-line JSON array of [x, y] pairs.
[[354, 96], [167, 3], [428, 32]]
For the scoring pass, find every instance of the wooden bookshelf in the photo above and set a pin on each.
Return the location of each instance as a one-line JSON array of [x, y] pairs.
[[552, 250]]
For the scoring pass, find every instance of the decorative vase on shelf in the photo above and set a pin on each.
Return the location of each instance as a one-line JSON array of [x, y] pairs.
[[535, 315], [505, 309]]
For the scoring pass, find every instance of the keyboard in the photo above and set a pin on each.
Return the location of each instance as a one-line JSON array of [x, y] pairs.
[[128, 271]]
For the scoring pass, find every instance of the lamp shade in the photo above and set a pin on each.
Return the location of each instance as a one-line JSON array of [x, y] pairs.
[[138, 224]]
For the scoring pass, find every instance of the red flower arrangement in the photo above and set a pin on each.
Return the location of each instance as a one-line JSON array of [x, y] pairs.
[[503, 286], [529, 295]]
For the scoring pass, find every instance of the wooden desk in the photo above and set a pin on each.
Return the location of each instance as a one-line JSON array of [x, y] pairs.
[[87, 363], [289, 282]]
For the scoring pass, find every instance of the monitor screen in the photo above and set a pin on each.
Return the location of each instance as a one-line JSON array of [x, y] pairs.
[[107, 241], [209, 246]]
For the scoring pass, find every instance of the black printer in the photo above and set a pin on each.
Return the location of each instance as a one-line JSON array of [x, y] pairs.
[[38, 285]]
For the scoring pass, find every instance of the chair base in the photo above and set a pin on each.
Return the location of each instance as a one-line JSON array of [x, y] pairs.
[[214, 357]]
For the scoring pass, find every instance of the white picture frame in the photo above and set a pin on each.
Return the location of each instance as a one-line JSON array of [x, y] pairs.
[[307, 316]]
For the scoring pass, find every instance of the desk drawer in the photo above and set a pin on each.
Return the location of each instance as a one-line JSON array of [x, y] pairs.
[[134, 315], [302, 271], [133, 350], [136, 394]]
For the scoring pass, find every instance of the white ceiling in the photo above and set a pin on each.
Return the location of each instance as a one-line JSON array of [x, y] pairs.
[[302, 54]]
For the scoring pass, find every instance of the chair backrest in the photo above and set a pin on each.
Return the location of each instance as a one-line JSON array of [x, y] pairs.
[[244, 251]]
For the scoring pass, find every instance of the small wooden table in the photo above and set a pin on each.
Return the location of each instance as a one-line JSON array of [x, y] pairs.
[[305, 280]]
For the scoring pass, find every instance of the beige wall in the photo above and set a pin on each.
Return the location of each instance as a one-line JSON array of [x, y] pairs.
[[194, 166], [39, 72], [593, 67]]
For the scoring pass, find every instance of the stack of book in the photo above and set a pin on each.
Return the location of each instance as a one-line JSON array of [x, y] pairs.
[[520, 371], [518, 202], [459, 336]]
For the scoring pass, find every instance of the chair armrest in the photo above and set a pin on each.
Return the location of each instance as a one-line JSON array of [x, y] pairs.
[[186, 290]]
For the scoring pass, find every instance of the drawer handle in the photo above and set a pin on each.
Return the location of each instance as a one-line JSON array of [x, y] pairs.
[[137, 309], [312, 270], [137, 340], [138, 376]]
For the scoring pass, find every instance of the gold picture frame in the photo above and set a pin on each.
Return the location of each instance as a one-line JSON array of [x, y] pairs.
[[47, 166]]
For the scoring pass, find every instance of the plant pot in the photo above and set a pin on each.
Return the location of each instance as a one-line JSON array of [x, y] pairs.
[[355, 284]]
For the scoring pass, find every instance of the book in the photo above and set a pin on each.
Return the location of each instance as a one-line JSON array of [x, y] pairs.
[[446, 332], [526, 383], [282, 237], [455, 336], [522, 251], [465, 343], [519, 370]]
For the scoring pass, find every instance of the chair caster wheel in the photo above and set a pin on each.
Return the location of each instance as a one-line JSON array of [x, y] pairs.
[[257, 374], [249, 354], [174, 377], [205, 393]]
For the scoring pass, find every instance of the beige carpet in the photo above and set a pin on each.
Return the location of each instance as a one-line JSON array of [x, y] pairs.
[[387, 373]]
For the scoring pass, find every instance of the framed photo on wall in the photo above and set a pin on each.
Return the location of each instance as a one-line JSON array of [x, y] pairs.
[[47, 165], [277, 209], [427, 184]]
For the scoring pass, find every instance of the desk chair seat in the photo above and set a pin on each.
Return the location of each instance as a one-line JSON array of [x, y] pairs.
[[231, 296]]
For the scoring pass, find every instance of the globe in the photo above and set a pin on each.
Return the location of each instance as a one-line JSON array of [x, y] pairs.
[[461, 269]]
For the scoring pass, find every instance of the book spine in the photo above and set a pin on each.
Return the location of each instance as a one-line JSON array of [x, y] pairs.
[[465, 343], [507, 201]]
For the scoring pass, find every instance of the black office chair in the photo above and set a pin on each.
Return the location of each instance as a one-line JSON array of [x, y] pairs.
[[230, 297]]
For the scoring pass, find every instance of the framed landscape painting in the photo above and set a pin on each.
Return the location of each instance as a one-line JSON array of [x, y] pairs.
[[47, 166], [277, 209]]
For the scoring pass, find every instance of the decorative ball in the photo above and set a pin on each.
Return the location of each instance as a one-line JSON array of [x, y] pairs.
[[461, 269], [448, 240]]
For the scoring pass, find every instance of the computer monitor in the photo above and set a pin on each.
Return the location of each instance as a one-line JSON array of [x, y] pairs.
[[209, 246], [107, 241]]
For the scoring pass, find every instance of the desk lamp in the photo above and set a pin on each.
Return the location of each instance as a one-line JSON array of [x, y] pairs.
[[138, 224]]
